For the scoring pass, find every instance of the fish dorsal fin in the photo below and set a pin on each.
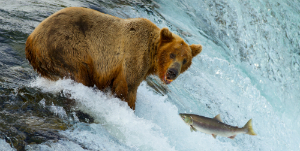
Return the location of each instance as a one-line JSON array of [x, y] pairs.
[[218, 118], [215, 136]]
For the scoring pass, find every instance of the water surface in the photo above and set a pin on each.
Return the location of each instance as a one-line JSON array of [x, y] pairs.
[[249, 68]]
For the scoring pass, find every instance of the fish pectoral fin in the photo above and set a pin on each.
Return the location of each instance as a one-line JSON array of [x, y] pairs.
[[193, 128], [218, 118], [215, 136], [232, 137]]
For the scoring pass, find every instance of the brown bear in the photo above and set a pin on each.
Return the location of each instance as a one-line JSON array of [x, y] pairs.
[[99, 49]]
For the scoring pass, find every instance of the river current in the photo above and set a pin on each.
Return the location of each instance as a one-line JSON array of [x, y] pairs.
[[249, 69]]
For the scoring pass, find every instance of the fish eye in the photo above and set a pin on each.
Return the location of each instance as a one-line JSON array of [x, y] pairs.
[[172, 56], [184, 61]]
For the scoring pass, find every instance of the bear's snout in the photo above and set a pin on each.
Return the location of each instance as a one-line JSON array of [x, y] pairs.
[[172, 73]]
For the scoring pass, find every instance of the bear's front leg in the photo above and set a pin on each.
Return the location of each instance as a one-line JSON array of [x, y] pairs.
[[131, 98], [124, 91], [120, 87]]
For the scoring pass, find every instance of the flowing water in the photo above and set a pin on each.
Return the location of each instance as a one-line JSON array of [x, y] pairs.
[[249, 68]]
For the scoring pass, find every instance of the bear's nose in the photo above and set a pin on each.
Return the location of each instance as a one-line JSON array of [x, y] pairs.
[[172, 73]]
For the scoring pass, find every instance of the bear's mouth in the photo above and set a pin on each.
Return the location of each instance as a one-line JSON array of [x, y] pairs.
[[166, 80]]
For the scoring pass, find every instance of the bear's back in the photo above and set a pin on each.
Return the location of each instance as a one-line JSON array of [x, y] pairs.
[[65, 43], [85, 45]]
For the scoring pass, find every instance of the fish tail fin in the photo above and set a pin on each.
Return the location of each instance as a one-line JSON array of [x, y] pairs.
[[249, 128]]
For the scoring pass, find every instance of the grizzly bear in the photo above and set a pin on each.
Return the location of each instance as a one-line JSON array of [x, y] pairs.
[[103, 50]]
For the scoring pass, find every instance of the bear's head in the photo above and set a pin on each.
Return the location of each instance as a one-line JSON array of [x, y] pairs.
[[174, 55]]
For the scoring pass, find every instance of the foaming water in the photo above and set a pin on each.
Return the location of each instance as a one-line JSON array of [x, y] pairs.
[[5, 146], [113, 116], [155, 124]]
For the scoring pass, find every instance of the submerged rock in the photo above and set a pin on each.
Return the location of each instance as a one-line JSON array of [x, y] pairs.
[[20, 130], [27, 117]]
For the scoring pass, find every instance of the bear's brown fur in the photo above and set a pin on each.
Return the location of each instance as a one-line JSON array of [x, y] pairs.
[[99, 49]]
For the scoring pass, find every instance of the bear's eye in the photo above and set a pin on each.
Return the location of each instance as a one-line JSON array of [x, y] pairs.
[[172, 56], [184, 61]]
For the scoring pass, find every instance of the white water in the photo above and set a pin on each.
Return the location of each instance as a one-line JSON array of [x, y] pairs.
[[155, 125], [249, 68]]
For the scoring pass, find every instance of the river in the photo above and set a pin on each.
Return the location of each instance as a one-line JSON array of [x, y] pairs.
[[249, 69]]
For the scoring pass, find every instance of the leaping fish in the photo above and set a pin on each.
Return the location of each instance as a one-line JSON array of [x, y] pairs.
[[215, 126]]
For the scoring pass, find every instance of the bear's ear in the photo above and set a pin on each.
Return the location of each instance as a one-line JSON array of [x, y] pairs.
[[196, 49], [166, 35]]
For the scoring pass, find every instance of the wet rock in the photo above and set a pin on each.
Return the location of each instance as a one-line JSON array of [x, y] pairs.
[[29, 129]]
